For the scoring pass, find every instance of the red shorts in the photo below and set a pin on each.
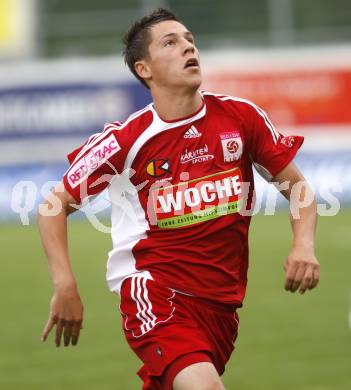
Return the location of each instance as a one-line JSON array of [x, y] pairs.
[[170, 331]]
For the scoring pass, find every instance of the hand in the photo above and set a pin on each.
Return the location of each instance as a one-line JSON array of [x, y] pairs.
[[66, 312], [301, 270]]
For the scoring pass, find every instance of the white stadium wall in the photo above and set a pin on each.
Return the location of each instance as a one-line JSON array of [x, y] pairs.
[[49, 108]]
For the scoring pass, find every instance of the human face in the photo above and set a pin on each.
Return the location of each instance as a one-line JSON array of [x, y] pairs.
[[173, 59]]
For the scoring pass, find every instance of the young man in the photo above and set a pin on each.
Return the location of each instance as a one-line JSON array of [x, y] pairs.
[[179, 261]]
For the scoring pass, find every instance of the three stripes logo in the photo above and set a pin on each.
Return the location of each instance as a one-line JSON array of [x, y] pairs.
[[146, 306], [193, 132], [139, 294]]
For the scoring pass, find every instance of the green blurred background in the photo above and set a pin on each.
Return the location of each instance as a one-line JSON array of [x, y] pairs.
[[285, 340], [95, 27]]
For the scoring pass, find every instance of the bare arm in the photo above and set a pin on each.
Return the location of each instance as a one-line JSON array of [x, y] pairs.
[[66, 310], [301, 267]]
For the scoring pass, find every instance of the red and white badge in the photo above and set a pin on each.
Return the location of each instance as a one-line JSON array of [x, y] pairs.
[[288, 141], [232, 146]]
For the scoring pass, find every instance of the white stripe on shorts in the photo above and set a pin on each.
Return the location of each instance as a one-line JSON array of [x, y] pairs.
[[139, 294]]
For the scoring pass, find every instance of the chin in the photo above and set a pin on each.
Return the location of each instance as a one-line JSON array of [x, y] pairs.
[[194, 82]]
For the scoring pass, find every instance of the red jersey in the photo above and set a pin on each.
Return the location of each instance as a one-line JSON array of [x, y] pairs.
[[178, 190]]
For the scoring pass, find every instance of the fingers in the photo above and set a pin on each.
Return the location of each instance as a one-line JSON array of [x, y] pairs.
[[59, 329], [315, 279], [66, 314], [290, 270], [301, 276], [75, 332], [48, 327], [67, 334], [70, 331], [306, 281]]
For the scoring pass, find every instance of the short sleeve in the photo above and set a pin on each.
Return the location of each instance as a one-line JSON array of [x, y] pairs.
[[93, 165], [270, 151]]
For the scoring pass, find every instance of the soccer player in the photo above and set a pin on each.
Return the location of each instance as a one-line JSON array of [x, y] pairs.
[[180, 249]]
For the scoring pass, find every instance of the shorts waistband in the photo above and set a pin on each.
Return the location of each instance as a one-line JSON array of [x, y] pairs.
[[218, 305]]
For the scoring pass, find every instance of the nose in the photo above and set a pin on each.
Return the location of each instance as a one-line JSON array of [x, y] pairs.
[[188, 47]]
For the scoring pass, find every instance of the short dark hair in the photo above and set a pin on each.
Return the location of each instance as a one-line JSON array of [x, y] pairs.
[[137, 39]]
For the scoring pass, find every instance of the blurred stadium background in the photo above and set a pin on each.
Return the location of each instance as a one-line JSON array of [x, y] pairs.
[[62, 77]]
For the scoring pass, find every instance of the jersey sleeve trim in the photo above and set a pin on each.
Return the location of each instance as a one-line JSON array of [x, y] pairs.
[[270, 174], [292, 151]]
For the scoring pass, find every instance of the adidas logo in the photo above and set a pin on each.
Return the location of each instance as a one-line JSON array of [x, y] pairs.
[[192, 133]]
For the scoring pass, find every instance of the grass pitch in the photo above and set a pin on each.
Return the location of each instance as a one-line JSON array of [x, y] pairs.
[[286, 341]]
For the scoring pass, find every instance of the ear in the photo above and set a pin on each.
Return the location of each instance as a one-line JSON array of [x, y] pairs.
[[143, 70]]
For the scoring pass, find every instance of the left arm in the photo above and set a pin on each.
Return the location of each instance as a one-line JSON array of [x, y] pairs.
[[301, 266]]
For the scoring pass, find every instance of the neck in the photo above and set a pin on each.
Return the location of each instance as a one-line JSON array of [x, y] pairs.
[[171, 105]]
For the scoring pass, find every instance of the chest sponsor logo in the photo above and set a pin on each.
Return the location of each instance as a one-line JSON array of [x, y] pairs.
[[232, 146], [196, 156], [158, 168], [97, 156], [198, 200], [193, 132]]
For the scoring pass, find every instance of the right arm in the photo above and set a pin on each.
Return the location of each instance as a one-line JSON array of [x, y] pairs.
[[66, 311]]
